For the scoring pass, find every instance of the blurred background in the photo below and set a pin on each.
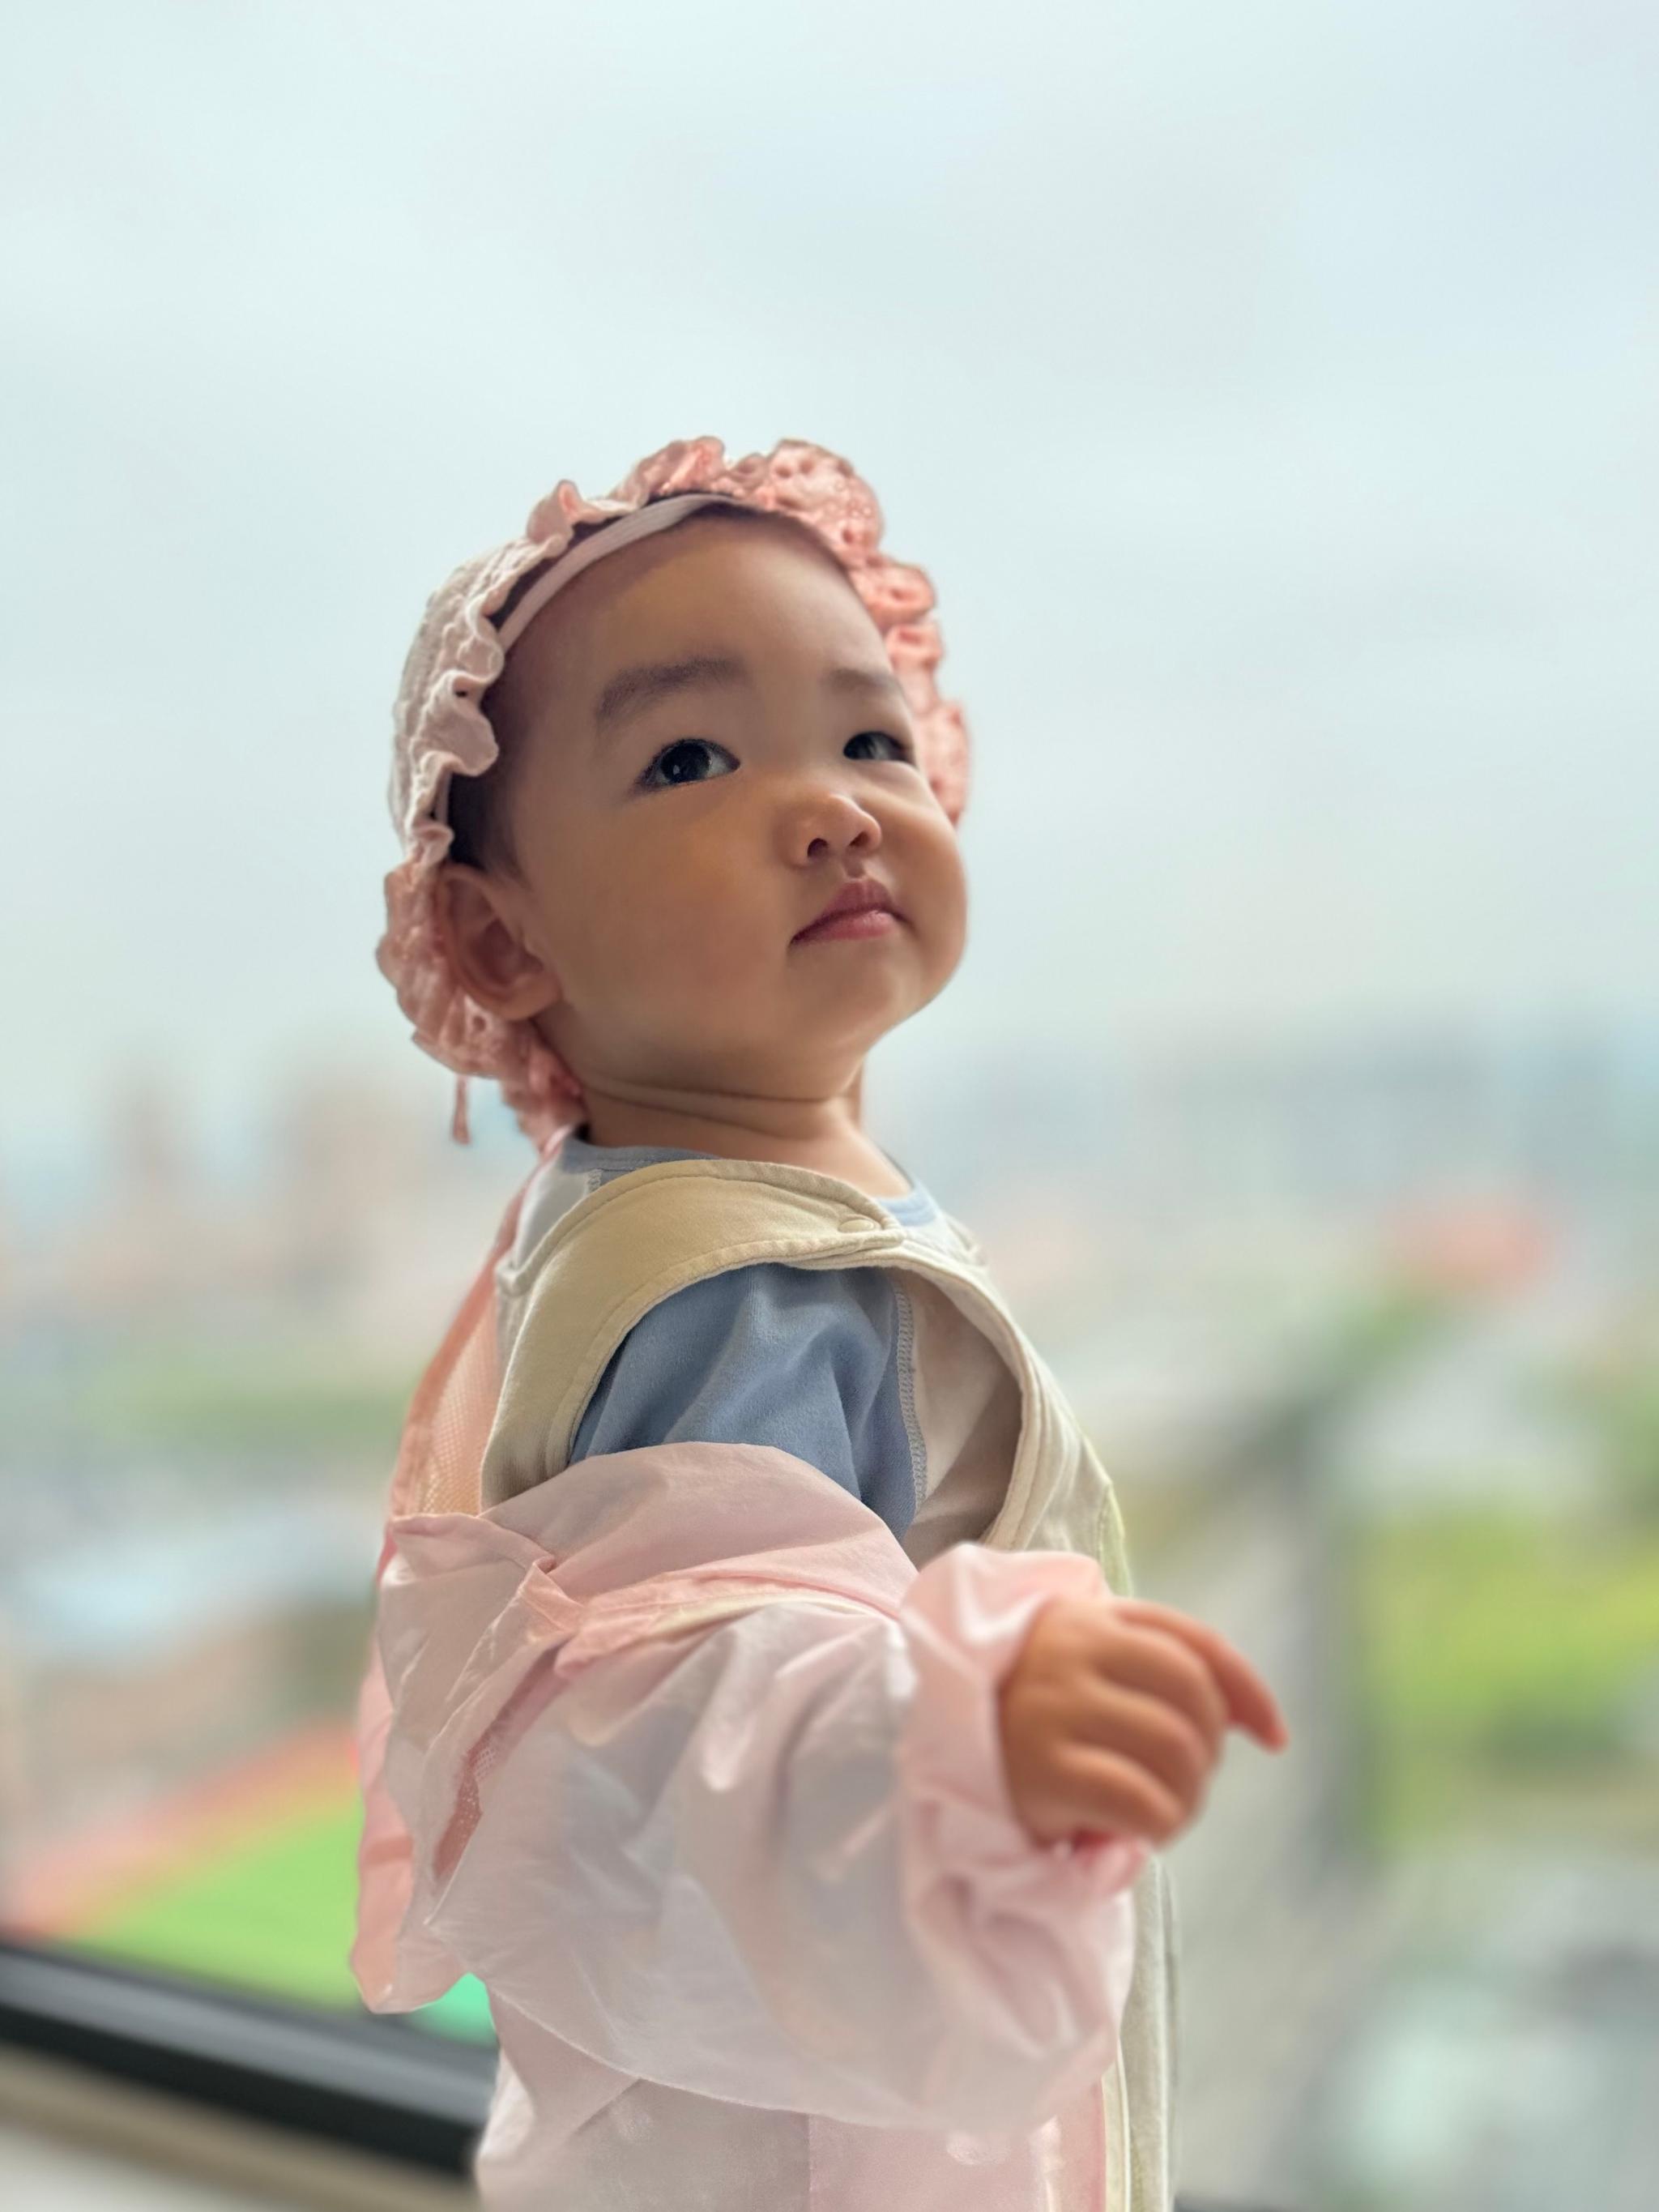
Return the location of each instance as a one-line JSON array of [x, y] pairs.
[[1270, 398]]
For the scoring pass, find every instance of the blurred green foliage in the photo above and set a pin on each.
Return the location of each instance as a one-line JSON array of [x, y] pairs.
[[1500, 1651], [1623, 1408], [274, 1914], [245, 1397]]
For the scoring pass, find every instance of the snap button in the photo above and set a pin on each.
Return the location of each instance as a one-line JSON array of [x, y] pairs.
[[850, 1224]]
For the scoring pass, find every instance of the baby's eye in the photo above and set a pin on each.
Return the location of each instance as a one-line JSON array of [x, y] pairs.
[[681, 745], [905, 750]]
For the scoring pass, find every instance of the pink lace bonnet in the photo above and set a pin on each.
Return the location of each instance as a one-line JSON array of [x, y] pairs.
[[440, 729]]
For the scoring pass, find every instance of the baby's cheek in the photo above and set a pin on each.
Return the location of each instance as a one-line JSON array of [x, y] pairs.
[[945, 905]]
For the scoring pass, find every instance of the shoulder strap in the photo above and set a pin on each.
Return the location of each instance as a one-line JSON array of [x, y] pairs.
[[629, 1244]]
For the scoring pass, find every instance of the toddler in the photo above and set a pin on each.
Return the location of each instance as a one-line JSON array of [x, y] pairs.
[[758, 1704]]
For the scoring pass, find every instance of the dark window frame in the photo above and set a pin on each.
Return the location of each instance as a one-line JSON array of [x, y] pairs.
[[370, 2081]]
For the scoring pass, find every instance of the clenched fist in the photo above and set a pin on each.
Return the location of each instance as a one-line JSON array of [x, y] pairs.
[[1113, 1716]]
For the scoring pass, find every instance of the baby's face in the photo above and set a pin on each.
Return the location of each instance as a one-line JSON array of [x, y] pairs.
[[675, 837]]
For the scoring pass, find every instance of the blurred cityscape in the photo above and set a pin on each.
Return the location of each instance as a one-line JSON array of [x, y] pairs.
[[1368, 1333]]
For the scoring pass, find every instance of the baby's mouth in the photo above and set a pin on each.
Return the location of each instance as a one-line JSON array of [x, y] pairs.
[[852, 922], [863, 900]]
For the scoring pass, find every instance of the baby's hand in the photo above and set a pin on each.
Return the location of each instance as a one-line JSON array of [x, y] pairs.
[[1114, 1714]]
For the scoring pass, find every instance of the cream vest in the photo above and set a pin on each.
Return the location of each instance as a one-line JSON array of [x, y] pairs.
[[564, 1307]]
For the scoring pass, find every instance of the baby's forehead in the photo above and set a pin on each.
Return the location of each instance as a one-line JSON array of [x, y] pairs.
[[668, 595]]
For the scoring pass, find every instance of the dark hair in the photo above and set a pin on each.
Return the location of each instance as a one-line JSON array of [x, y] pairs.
[[478, 804]]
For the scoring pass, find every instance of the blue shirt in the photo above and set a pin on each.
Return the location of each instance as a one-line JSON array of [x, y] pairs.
[[814, 1361]]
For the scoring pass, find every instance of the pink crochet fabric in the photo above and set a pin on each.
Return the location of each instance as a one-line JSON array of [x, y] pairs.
[[440, 729]]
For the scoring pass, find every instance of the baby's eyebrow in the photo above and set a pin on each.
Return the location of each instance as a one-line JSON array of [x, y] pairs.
[[632, 689]]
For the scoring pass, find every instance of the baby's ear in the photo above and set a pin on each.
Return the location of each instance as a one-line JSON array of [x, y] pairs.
[[477, 919]]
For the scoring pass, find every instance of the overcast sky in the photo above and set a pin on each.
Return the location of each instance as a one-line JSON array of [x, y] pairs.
[[1270, 394]]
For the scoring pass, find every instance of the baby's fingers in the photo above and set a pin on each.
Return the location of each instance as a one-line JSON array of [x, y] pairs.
[[1250, 1702]]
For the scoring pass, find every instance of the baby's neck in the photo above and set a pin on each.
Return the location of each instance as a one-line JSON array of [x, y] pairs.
[[848, 1154]]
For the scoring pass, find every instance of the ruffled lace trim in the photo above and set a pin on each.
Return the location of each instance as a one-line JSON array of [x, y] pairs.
[[440, 729]]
